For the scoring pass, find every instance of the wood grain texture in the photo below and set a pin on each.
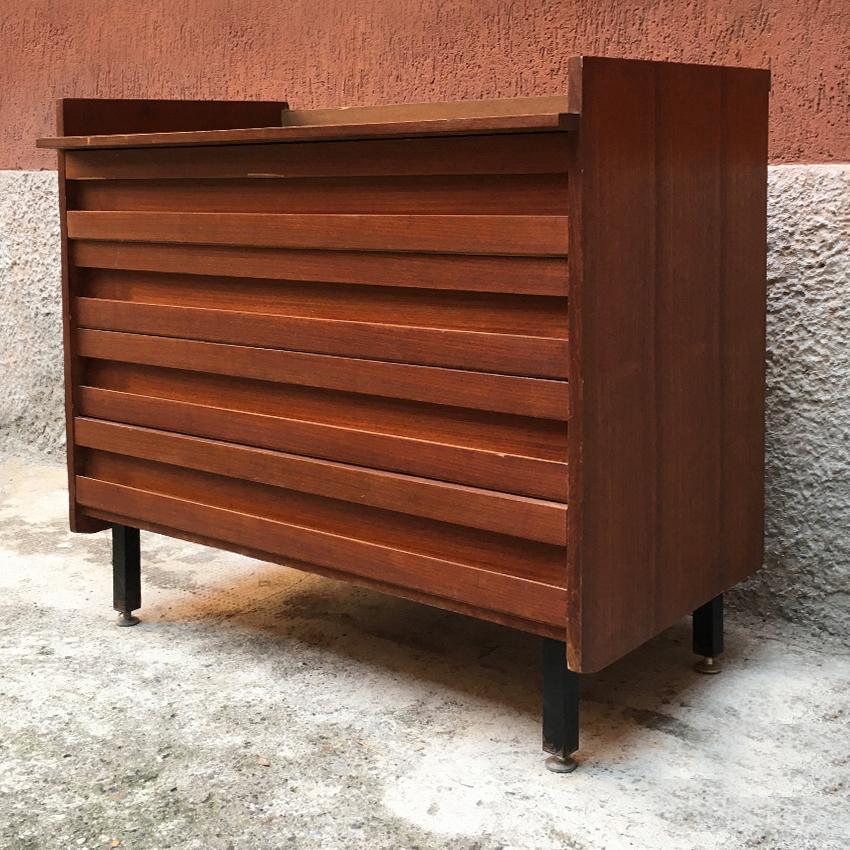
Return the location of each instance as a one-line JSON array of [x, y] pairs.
[[357, 351], [459, 194], [381, 585], [612, 435], [531, 153], [531, 519], [493, 470], [511, 354], [527, 235], [105, 116], [454, 387], [520, 275], [506, 107], [403, 532], [445, 485], [119, 123], [482, 588], [74, 116], [743, 272], [522, 315], [650, 319], [688, 292], [442, 127], [514, 435], [77, 520]]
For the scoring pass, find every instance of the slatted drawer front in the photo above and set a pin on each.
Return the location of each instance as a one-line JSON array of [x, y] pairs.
[[352, 354]]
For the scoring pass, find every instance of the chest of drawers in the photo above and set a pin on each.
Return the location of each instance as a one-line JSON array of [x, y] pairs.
[[505, 358]]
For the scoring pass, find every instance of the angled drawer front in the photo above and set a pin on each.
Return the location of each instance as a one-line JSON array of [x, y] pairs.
[[352, 354]]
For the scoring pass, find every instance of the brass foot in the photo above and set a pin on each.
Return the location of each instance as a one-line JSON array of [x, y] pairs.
[[561, 764], [126, 618], [708, 665]]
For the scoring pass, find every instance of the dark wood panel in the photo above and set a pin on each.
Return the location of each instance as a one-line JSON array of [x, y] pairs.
[[612, 313], [504, 513], [522, 235], [488, 194], [518, 435], [687, 339], [744, 118], [379, 585], [104, 116], [492, 470], [649, 320], [529, 153], [520, 597], [77, 520], [520, 275], [396, 530], [522, 315], [528, 356], [482, 391]]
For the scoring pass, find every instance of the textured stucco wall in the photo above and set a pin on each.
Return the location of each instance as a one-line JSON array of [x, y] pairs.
[[31, 394], [808, 414], [339, 52], [808, 402]]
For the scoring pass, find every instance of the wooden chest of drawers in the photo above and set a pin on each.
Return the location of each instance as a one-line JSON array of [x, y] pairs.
[[506, 358]]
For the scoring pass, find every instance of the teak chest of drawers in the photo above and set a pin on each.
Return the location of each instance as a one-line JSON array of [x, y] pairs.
[[506, 357]]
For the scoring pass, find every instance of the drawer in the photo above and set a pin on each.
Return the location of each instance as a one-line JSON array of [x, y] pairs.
[[323, 312], [436, 423], [352, 355], [458, 543]]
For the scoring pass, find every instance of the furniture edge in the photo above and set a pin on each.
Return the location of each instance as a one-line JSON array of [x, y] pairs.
[[659, 524]]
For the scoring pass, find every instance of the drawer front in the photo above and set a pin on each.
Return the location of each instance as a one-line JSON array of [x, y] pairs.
[[364, 368]]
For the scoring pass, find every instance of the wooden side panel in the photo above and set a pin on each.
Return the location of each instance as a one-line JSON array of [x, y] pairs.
[[611, 544], [687, 339], [667, 269], [743, 192]]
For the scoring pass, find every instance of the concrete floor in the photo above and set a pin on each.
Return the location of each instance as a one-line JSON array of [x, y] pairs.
[[258, 707]]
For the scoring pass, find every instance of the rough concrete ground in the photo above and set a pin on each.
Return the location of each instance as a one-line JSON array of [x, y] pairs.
[[258, 707]]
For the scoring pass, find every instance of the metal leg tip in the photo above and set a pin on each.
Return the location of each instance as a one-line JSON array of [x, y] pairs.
[[561, 764], [708, 665], [126, 618]]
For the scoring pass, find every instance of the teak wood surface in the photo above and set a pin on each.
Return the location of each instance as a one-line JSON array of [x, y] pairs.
[[502, 357]]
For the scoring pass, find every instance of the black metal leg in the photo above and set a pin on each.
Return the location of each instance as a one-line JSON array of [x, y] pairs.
[[560, 707], [126, 573], [708, 634]]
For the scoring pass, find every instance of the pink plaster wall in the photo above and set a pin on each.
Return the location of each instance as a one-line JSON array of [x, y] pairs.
[[335, 52]]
